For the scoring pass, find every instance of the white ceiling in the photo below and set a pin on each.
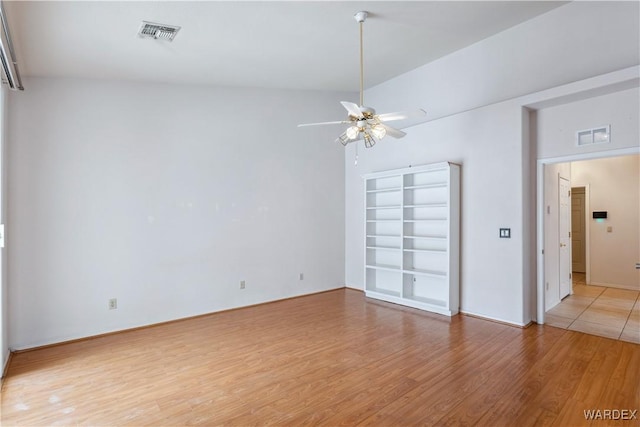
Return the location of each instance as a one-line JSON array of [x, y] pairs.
[[293, 44]]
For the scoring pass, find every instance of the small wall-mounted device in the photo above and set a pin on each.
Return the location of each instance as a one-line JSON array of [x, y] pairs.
[[599, 214], [505, 233]]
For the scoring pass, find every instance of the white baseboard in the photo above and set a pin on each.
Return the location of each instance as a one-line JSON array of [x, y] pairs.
[[615, 285], [495, 319]]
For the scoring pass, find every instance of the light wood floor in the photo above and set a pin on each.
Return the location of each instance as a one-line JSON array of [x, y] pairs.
[[598, 310], [334, 359]]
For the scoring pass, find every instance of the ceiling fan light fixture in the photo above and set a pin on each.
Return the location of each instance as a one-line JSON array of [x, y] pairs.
[[368, 140], [343, 139], [352, 132], [378, 131]]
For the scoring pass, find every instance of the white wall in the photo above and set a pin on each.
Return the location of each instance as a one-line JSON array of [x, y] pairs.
[[165, 197], [552, 173], [4, 294], [462, 94], [570, 43], [557, 126], [614, 186]]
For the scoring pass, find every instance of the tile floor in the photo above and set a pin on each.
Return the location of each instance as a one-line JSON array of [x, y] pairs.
[[597, 310]]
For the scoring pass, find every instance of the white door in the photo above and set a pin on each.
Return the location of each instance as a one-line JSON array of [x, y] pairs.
[[564, 225], [578, 230]]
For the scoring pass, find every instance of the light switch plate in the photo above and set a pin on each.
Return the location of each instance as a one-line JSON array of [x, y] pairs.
[[505, 233]]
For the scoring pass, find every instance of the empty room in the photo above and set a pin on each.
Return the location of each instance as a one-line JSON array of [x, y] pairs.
[[320, 213]]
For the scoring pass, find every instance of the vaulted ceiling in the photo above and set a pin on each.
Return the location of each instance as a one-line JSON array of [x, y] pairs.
[[293, 44]]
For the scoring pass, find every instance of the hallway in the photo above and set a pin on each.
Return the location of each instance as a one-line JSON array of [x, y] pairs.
[[597, 310]]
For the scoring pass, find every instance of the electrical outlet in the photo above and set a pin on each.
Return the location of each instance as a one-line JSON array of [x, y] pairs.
[[113, 303], [242, 284], [301, 276]]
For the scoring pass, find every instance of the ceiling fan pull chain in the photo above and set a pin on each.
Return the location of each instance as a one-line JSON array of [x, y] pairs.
[[356, 160]]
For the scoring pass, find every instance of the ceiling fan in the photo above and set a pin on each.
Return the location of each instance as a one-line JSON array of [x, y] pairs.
[[364, 123]]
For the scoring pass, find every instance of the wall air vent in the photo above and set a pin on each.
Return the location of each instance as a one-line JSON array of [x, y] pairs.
[[600, 135], [158, 31]]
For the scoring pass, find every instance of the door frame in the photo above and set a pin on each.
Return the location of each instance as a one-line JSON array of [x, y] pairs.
[[561, 295], [540, 258]]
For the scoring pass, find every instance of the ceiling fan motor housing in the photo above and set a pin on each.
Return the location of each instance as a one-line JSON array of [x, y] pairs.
[[361, 16], [367, 112]]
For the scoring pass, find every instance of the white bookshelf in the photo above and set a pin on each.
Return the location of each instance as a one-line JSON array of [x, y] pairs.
[[412, 233]]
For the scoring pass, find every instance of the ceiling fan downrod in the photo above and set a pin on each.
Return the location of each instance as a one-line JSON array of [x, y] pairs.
[[360, 17]]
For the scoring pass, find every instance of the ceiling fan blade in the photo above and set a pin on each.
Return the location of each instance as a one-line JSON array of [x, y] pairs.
[[339, 122], [352, 109], [401, 115], [393, 132]]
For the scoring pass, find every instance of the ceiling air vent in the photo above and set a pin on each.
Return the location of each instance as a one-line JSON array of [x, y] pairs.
[[158, 31]]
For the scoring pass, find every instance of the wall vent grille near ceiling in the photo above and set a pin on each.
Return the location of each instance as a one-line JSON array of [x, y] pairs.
[[599, 135], [158, 31]]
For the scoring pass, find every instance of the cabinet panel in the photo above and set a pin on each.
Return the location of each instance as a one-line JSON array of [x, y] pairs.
[[384, 258], [426, 244], [384, 199], [426, 229], [431, 290], [432, 195], [384, 183], [390, 243], [384, 281], [421, 213], [387, 213], [426, 178], [384, 228], [434, 262]]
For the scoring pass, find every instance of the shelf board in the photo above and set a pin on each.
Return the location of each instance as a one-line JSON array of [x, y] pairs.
[[384, 190], [425, 220], [422, 186], [426, 272], [426, 237], [386, 248], [426, 250], [384, 267], [430, 301], [428, 205], [384, 220], [384, 235], [383, 207], [384, 292]]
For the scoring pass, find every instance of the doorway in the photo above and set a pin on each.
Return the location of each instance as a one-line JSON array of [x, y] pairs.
[[578, 230], [548, 243]]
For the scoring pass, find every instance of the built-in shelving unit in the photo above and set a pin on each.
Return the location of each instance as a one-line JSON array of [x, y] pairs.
[[412, 223]]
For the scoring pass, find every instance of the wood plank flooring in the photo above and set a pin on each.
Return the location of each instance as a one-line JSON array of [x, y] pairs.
[[334, 358]]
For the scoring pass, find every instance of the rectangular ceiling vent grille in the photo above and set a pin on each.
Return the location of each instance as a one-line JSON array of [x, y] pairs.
[[158, 31]]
